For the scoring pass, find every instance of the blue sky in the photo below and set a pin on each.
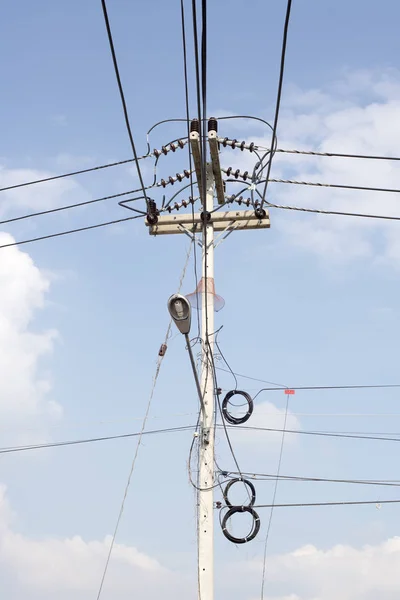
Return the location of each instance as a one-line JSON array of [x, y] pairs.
[[312, 301]]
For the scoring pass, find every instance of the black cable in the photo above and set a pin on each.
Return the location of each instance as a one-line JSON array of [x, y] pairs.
[[338, 154], [279, 94], [13, 449], [280, 386], [336, 186], [218, 404], [320, 433], [70, 206], [268, 477], [185, 73], [346, 503], [129, 160], [61, 233], [328, 387], [233, 419], [72, 174], [255, 528], [121, 92], [225, 361], [332, 212]]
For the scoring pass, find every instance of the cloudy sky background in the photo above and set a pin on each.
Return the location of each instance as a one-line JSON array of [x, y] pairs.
[[312, 301]]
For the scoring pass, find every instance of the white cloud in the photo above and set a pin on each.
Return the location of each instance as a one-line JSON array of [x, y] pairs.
[[23, 389], [63, 566], [343, 571], [266, 415], [356, 114]]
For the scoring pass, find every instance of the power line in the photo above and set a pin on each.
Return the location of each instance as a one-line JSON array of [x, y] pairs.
[[345, 503], [122, 95], [62, 233], [185, 74], [274, 498], [71, 174], [69, 207], [334, 212], [280, 386], [142, 432], [336, 186], [330, 387], [337, 154], [320, 433], [279, 94], [267, 477], [13, 449]]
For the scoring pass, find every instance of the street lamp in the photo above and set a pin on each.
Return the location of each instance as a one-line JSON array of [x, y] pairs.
[[181, 312]]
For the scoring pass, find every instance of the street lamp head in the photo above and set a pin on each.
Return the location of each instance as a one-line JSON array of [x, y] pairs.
[[181, 312]]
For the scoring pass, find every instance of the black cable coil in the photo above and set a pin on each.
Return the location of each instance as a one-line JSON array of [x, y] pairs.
[[254, 530], [246, 483], [231, 418]]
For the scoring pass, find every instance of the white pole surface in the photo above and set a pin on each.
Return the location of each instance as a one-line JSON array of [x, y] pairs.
[[206, 454]]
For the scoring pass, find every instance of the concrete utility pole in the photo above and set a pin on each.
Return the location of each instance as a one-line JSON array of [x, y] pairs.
[[206, 223], [206, 457]]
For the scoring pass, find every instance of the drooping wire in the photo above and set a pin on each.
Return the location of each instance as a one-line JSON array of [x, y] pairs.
[[13, 449], [157, 372], [332, 434], [278, 470], [279, 385], [219, 406], [292, 478], [62, 233], [69, 207], [185, 73], [223, 357], [278, 97], [337, 154], [71, 174], [328, 387], [122, 95]]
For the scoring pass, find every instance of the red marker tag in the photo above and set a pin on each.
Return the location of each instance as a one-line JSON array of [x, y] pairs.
[[290, 392]]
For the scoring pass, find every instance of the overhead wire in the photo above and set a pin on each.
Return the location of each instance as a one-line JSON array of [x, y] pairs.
[[337, 154], [370, 482], [15, 449], [329, 387], [344, 503], [332, 434], [274, 498], [122, 96], [70, 174], [185, 74], [279, 95], [68, 207], [68, 232], [155, 379], [280, 386]]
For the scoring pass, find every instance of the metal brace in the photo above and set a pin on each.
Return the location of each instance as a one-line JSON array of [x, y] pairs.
[[190, 234], [221, 237]]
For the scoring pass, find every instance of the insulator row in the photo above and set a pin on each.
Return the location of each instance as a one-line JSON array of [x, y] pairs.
[[178, 205], [171, 180], [236, 144], [170, 148], [240, 200], [236, 174]]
